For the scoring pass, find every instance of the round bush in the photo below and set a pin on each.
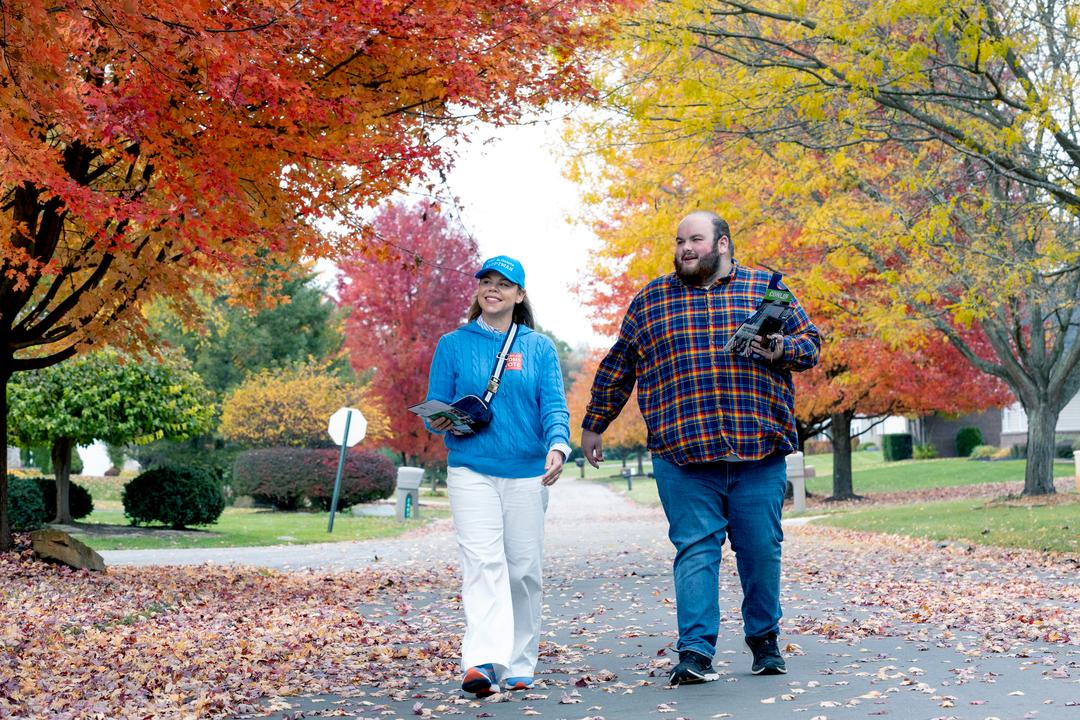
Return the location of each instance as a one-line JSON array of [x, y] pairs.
[[26, 506], [967, 439], [79, 501], [285, 476], [175, 496]]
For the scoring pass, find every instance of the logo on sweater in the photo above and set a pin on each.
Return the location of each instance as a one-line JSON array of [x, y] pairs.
[[513, 361]]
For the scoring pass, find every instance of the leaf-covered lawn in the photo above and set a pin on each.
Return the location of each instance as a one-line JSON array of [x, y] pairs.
[[211, 641], [242, 527], [170, 642], [1052, 524]]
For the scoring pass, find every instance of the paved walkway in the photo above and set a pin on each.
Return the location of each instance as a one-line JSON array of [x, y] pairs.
[[578, 511], [854, 651]]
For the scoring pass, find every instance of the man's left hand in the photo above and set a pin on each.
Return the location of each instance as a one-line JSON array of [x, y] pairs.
[[553, 466], [770, 351]]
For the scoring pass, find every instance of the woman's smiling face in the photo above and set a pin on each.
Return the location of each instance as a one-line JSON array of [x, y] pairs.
[[496, 295]]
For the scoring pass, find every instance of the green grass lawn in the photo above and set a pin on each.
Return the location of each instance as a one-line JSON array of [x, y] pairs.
[[240, 527], [1054, 526], [870, 473]]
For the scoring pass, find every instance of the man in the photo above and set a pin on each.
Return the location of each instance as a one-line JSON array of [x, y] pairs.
[[720, 424]]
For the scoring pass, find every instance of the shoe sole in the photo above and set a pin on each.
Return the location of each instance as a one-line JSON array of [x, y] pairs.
[[695, 679], [770, 671], [478, 683]]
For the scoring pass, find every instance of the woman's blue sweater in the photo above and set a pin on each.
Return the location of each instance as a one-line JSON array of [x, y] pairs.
[[530, 414]]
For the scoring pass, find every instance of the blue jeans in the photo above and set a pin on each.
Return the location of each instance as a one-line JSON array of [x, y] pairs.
[[705, 503]]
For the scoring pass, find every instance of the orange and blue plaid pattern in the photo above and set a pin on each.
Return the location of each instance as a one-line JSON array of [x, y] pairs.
[[700, 403]]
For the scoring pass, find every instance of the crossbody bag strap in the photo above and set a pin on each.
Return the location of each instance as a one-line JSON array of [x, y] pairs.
[[500, 363]]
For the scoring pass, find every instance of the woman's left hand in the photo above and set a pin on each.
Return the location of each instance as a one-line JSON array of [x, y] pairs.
[[553, 466]]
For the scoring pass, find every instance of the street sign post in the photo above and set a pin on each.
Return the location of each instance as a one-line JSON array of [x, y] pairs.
[[347, 427]]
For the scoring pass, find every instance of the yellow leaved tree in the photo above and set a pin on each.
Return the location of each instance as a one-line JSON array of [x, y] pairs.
[[291, 407], [917, 165]]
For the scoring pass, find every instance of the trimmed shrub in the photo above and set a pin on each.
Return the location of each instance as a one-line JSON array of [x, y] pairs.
[[25, 506], [983, 452], [285, 476], [967, 438], [868, 446], [817, 447], [924, 451], [175, 496], [896, 446], [1019, 451], [79, 501]]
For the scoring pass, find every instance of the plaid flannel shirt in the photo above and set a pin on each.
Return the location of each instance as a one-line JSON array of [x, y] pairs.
[[702, 404]]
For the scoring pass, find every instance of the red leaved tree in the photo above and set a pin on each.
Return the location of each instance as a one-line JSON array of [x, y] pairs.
[[147, 145], [400, 306]]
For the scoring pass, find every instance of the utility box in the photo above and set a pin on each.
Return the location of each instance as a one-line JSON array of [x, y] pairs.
[[408, 492], [796, 475]]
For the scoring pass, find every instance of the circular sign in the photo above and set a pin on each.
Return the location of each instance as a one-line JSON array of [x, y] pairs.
[[357, 426]]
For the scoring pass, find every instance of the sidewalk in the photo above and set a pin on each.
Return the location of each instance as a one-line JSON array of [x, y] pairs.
[[873, 627]]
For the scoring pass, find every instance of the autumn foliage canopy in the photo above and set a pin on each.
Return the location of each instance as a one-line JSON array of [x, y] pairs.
[[148, 143]]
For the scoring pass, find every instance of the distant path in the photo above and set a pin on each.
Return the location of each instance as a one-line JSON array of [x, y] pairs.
[[583, 517]]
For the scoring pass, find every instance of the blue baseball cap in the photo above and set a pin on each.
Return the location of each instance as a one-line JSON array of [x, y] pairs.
[[508, 267]]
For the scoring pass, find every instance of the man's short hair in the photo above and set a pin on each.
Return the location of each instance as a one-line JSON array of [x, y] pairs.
[[720, 229]]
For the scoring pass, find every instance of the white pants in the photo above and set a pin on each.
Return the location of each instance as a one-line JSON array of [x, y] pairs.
[[500, 530]]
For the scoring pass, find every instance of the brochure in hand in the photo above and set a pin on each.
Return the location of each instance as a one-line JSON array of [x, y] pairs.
[[767, 319], [435, 409]]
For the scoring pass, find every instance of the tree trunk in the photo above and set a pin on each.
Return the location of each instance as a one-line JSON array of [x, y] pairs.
[[641, 461], [5, 524], [61, 461], [1039, 474], [841, 442]]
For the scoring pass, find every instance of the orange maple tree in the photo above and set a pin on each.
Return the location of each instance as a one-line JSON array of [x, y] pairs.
[[147, 145], [627, 432]]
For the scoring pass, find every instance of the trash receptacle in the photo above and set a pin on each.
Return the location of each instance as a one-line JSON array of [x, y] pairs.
[[408, 492]]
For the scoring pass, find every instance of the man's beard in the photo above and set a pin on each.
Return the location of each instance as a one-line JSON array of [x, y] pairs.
[[706, 267]]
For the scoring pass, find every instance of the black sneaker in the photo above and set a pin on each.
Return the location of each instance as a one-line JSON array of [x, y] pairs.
[[693, 668], [767, 659]]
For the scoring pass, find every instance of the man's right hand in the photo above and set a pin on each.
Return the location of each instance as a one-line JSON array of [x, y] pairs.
[[592, 448]]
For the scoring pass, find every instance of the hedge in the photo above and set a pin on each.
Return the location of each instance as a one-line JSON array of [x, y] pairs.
[[896, 446], [286, 476]]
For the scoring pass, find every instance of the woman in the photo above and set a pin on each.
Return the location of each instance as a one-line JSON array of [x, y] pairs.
[[498, 476]]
